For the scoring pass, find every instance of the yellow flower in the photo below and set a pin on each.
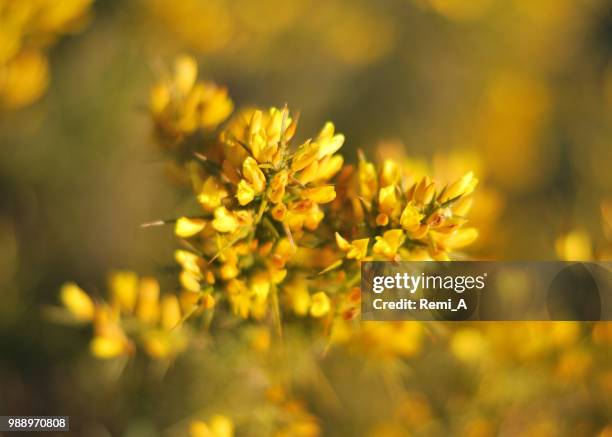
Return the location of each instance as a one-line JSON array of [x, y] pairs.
[[424, 191], [170, 311], [305, 155], [277, 186], [260, 286], [322, 194], [147, 308], [240, 297], [225, 220], [185, 73], [455, 240], [261, 133], [27, 30], [219, 106], [190, 280], [77, 302], [468, 345], [107, 347], [188, 227], [299, 298], [328, 167], [123, 287], [574, 246], [181, 105], [411, 217], [245, 193], [388, 202], [211, 194], [462, 206], [164, 343], [368, 184], [462, 187], [309, 174], [327, 142], [356, 249], [279, 212], [253, 174], [390, 173], [218, 426], [109, 340], [303, 213], [319, 304], [390, 242], [187, 260], [24, 79]]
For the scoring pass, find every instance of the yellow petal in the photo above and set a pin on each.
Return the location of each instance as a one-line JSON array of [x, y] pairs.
[[328, 167], [147, 308], [463, 206], [188, 260], [388, 202], [170, 311], [389, 243], [188, 227], [462, 187], [328, 142], [368, 184], [320, 304], [390, 173], [359, 249], [199, 428], [77, 301], [342, 243], [221, 426], [411, 217], [277, 186], [278, 275], [218, 107], [212, 194], [279, 212], [159, 99], [225, 221], [190, 280], [245, 193], [23, 79], [123, 286], [574, 246], [185, 73], [309, 174], [457, 239], [305, 155], [107, 347], [299, 297], [322, 194], [260, 286], [253, 174]]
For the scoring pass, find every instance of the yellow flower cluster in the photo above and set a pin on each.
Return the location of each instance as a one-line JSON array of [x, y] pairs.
[[180, 104], [27, 28], [408, 221], [135, 312], [277, 219], [259, 200]]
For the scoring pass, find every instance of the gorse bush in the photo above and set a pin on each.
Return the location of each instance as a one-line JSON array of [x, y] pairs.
[[272, 256], [282, 227]]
